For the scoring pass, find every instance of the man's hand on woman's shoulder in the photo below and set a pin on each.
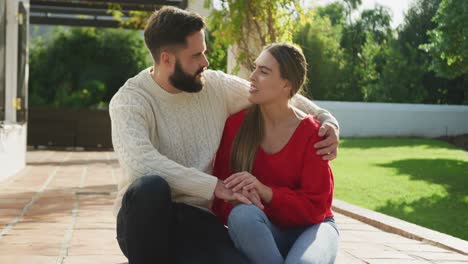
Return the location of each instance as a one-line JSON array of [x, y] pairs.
[[328, 147]]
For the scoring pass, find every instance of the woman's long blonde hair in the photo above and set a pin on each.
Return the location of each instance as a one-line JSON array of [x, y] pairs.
[[293, 67]]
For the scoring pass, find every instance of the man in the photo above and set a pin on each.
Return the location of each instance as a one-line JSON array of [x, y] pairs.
[[167, 123]]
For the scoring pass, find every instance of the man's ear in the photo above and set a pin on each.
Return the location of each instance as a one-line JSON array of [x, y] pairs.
[[166, 58]]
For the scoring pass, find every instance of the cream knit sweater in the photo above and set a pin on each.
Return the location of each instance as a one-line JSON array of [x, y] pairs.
[[176, 136]]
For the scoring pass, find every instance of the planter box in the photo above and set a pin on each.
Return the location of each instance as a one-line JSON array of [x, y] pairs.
[[66, 127]]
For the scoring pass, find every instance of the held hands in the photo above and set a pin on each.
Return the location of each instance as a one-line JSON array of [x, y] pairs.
[[244, 181], [244, 196], [328, 147]]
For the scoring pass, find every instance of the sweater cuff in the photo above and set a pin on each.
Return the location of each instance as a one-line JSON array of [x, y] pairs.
[[275, 199], [207, 187]]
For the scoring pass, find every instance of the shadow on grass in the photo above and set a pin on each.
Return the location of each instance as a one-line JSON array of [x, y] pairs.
[[367, 143], [451, 173], [447, 214]]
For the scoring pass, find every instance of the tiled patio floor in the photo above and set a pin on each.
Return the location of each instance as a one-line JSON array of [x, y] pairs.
[[58, 210]]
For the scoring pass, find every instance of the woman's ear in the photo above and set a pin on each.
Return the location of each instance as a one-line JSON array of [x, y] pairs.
[[288, 88]]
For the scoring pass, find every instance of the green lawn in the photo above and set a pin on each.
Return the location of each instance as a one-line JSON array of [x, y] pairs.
[[418, 180]]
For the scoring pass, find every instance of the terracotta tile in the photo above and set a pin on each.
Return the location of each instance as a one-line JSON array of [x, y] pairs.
[[84, 259], [421, 247], [364, 253], [29, 249], [449, 256], [85, 225], [83, 250], [10, 212], [27, 259], [12, 206], [399, 261], [345, 258], [31, 239], [6, 219], [50, 231], [41, 225]]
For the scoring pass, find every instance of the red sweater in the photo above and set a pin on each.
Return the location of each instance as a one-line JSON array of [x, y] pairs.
[[301, 181]]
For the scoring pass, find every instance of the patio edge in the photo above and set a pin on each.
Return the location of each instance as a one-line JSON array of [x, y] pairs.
[[400, 227]]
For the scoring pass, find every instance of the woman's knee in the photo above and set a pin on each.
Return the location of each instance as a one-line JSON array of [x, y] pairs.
[[316, 245], [243, 214]]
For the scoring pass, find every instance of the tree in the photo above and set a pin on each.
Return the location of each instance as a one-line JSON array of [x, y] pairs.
[[406, 70], [320, 43], [449, 40], [250, 25], [377, 23], [336, 12], [419, 82]]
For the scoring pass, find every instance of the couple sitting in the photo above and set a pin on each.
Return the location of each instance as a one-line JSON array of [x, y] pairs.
[[271, 186]]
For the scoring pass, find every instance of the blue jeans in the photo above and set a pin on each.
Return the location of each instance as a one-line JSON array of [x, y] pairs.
[[262, 242]]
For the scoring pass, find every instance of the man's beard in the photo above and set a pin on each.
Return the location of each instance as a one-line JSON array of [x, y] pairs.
[[184, 81]]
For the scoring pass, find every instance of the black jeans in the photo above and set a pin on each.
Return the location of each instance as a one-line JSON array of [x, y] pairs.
[[153, 229]]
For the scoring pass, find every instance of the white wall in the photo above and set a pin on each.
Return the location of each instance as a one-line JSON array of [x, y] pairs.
[[12, 135], [393, 120], [12, 149]]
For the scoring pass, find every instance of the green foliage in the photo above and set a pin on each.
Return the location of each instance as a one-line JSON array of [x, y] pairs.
[[84, 67], [335, 12], [363, 59], [320, 44], [406, 69], [92, 94], [449, 40], [135, 19], [345, 59], [250, 25], [410, 77], [217, 50]]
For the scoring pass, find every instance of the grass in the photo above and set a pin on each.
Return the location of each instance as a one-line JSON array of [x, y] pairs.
[[421, 181]]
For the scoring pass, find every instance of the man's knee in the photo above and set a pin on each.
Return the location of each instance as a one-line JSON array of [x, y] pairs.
[[153, 189]]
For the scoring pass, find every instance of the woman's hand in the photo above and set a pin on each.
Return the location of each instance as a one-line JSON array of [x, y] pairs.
[[244, 181], [234, 198], [252, 195]]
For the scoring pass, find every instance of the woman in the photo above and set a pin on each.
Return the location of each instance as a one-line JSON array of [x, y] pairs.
[[268, 150]]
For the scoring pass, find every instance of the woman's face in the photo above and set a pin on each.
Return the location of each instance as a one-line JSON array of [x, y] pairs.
[[267, 86]]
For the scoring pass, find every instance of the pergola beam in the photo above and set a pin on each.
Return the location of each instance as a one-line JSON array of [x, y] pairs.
[[90, 13]]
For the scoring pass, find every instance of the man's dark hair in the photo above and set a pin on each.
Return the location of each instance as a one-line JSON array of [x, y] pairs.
[[169, 28]]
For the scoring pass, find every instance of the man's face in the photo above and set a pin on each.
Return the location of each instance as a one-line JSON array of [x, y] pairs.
[[184, 81], [189, 64]]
